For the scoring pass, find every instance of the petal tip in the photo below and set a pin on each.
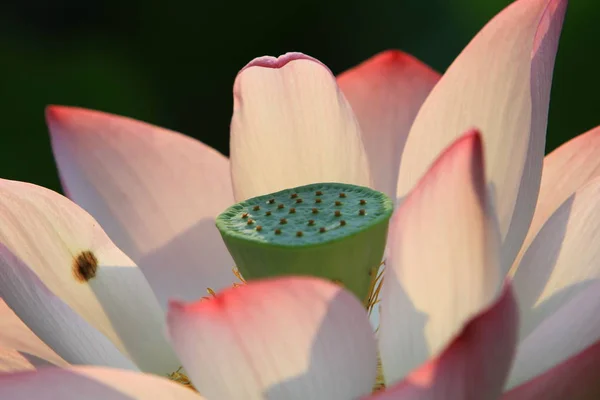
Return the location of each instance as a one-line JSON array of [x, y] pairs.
[[277, 62], [55, 113], [396, 59]]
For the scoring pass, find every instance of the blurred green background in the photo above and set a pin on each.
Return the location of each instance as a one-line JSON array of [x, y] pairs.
[[173, 63]]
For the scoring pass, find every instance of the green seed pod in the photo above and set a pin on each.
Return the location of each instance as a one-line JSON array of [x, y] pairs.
[[336, 231]]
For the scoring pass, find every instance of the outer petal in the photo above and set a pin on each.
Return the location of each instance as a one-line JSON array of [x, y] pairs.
[[569, 331], [562, 260], [59, 270], [15, 335], [442, 266], [386, 93], [565, 171], [156, 192], [473, 367], [575, 379], [500, 83], [90, 383], [287, 338], [292, 126]]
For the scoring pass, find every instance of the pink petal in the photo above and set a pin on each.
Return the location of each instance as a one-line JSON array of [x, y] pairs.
[[442, 265], [286, 338], [500, 83], [566, 170], [473, 367], [574, 379], [572, 327], [86, 317], [386, 93], [156, 192], [292, 126], [15, 335], [90, 383]]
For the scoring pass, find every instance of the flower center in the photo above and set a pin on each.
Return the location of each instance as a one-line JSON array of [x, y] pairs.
[[333, 231]]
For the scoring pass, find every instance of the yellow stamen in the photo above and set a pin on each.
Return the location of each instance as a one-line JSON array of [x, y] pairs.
[[237, 274], [180, 377], [371, 302], [374, 290]]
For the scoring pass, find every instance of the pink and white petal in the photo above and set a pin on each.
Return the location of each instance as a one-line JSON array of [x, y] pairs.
[[15, 335], [565, 171], [474, 366], [567, 332], [90, 383], [562, 260], [500, 83], [574, 379], [155, 192], [59, 270], [386, 92], [286, 338], [292, 126], [12, 361], [442, 239]]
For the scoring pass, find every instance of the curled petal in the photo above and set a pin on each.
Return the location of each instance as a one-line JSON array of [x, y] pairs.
[[292, 126]]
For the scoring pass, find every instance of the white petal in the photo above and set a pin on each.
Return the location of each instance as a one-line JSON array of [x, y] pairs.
[[499, 84], [566, 170], [385, 93], [562, 260], [14, 334], [287, 338], [90, 383], [42, 236], [442, 265], [571, 329], [154, 191], [292, 126]]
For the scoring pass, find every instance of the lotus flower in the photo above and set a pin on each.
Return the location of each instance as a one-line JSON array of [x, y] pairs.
[[491, 270]]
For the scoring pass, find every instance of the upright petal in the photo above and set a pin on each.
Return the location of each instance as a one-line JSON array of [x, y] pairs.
[[442, 266], [566, 170], [15, 335], [286, 338], [292, 126], [386, 93], [562, 260], [558, 286], [60, 272], [500, 83], [574, 379], [473, 367], [571, 329], [90, 383], [156, 192]]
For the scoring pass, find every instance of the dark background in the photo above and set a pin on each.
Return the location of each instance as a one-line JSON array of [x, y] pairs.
[[172, 63]]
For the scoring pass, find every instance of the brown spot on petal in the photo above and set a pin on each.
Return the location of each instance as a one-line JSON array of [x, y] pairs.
[[85, 266]]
